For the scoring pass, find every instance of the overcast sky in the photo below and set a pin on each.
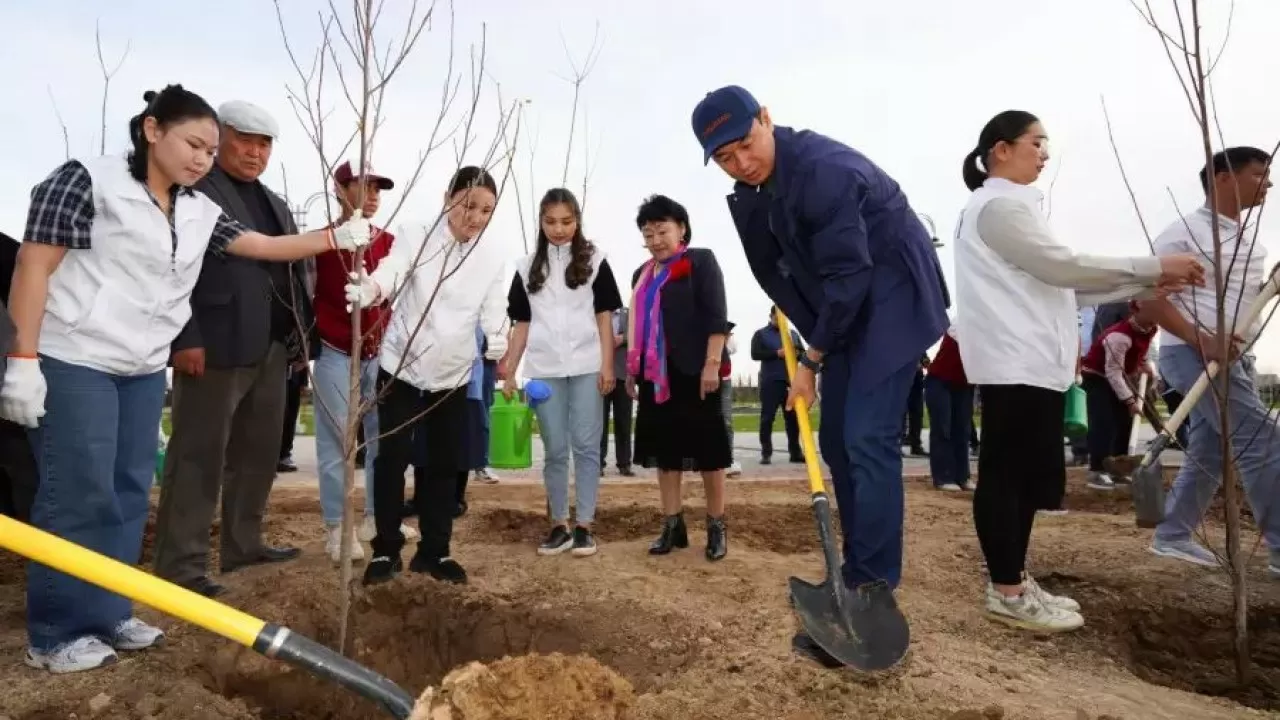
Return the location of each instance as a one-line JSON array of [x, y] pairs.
[[909, 83]]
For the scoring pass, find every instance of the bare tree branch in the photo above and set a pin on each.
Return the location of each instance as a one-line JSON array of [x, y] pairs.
[[107, 74]]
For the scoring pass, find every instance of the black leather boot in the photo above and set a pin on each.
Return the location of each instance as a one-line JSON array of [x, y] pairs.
[[674, 535], [717, 538]]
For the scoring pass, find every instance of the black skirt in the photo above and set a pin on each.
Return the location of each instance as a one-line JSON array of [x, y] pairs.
[[687, 432]]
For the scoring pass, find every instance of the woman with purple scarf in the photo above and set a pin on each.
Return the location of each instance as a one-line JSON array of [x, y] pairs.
[[675, 339]]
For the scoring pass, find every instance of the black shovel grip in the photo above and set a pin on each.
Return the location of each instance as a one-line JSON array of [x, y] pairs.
[[281, 643]]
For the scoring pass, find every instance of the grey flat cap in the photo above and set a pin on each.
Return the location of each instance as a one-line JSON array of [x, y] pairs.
[[248, 118]]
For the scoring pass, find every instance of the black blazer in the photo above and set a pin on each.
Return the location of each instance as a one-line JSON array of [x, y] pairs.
[[693, 309], [231, 303]]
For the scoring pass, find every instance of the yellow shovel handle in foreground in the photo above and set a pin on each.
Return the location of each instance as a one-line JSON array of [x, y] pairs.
[[816, 484]]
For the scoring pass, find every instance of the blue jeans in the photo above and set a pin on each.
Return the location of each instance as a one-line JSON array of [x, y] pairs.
[[859, 437], [950, 422], [331, 382], [1256, 442], [572, 419], [95, 450]]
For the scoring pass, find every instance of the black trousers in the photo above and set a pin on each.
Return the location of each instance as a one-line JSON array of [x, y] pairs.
[[773, 397], [294, 382], [913, 422], [441, 418], [1109, 421], [620, 403], [19, 477], [1021, 469]]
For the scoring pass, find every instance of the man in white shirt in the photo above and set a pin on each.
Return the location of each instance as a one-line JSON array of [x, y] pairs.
[[1189, 320]]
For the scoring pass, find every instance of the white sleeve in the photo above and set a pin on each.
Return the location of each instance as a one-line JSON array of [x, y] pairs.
[[493, 316], [394, 269]]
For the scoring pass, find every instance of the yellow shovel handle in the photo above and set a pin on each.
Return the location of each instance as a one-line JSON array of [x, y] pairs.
[[816, 484]]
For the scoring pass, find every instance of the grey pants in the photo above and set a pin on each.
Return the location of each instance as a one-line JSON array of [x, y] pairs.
[[226, 437]]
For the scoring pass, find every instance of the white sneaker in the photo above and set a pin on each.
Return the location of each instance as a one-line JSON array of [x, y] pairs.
[[133, 634], [1185, 550], [86, 653], [1054, 513], [369, 530], [969, 485], [486, 476], [1028, 612], [950, 487], [734, 470], [333, 545], [1101, 481], [1061, 602]]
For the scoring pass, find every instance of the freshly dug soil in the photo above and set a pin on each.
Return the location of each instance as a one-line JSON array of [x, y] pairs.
[[529, 686]]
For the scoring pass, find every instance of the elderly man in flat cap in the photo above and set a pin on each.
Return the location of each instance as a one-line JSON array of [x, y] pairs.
[[249, 323]]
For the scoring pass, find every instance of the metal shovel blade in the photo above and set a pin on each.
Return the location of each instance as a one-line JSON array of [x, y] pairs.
[[1148, 494], [872, 635]]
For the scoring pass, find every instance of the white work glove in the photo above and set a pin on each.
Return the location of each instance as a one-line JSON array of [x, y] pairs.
[[22, 392], [362, 292], [350, 235]]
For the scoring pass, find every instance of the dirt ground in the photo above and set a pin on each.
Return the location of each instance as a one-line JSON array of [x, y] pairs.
[[624, 635]]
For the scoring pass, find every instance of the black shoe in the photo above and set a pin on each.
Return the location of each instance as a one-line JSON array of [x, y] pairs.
[[205, 587], [919, 451], [286, 465], [717, 539], [674, 535], [626, 471], [807, 648], [382, 569], [798, 459], [558, 540], [460, 509], [267, 555], [444, 569], [765, 460], [584, 543]]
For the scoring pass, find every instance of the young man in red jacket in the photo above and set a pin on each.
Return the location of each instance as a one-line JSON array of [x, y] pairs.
[[1117, 357], [949, 396], [331, 375]]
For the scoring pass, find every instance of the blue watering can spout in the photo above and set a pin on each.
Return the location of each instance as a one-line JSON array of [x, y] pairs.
[[536, 392]]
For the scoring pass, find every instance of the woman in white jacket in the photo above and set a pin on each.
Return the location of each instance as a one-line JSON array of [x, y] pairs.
[[562, 300], [440, 285], [1016, 308]]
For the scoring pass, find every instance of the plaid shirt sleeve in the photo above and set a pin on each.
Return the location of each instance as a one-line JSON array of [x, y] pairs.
[[61, 212], [225, 231]]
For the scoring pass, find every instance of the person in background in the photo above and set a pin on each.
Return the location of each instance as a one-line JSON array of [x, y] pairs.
[[1079, 443], [1006, 257], [1117, 356], [102, 287], [619, 402], [477, 425], [331, 379], [1172, 401], [294, 382], [1104, 316], [249, 322], [561, 301], [950, 399], [913, 419], [679, 322], [1235, 181], [726, 398], [488, 382], [443, 283], [18, 473], [975, 443], [766, 349]]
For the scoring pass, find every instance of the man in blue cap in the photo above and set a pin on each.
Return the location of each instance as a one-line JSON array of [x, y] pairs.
[[833, 241]]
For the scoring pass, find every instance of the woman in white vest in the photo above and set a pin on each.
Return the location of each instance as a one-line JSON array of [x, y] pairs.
[[441, 283], [562, 300], [1016, 308], [103, 283]]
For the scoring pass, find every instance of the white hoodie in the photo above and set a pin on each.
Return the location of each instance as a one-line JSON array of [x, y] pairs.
[[456, 285]]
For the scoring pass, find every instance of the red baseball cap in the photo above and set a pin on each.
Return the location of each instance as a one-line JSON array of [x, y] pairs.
[[343, 175]]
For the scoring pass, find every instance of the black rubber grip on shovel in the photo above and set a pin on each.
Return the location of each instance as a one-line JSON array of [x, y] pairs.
[[281, 643]]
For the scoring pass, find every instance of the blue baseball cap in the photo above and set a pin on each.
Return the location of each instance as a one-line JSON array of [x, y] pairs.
[[723, 116]]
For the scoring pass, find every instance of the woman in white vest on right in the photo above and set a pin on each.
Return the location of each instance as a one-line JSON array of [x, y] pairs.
[[1016, 299]]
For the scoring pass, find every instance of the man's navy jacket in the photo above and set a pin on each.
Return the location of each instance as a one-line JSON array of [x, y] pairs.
[[833, 241]]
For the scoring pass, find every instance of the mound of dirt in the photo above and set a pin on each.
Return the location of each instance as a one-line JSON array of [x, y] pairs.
[[529, 686]]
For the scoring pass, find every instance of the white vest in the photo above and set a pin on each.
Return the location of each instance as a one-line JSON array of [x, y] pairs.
[[563, 338], [118, 306], [1017, 330]]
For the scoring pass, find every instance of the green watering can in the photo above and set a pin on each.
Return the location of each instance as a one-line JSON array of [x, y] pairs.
[[511, 428], [1075, 418]]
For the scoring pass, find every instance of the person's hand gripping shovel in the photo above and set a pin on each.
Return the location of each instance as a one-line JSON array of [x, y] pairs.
[[271, 640], [862, 629]]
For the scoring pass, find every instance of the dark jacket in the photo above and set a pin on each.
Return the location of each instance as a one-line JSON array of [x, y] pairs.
[[693, 309], [834, 243], [232, 301], [8, 332], [621, 317], [765, 345]]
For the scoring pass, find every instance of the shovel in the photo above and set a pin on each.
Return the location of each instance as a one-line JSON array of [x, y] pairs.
[[862, 629], [268, 639], [1148, 479]]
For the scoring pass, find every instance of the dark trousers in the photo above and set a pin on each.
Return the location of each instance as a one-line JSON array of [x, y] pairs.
[[226, 439], [913, 419], [19, 476], [294, 383], [773, 397], [1109, 421], [1172, 399], [861, 427], [442, 425], [950, 424], [620, 403], [1021, 469]]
